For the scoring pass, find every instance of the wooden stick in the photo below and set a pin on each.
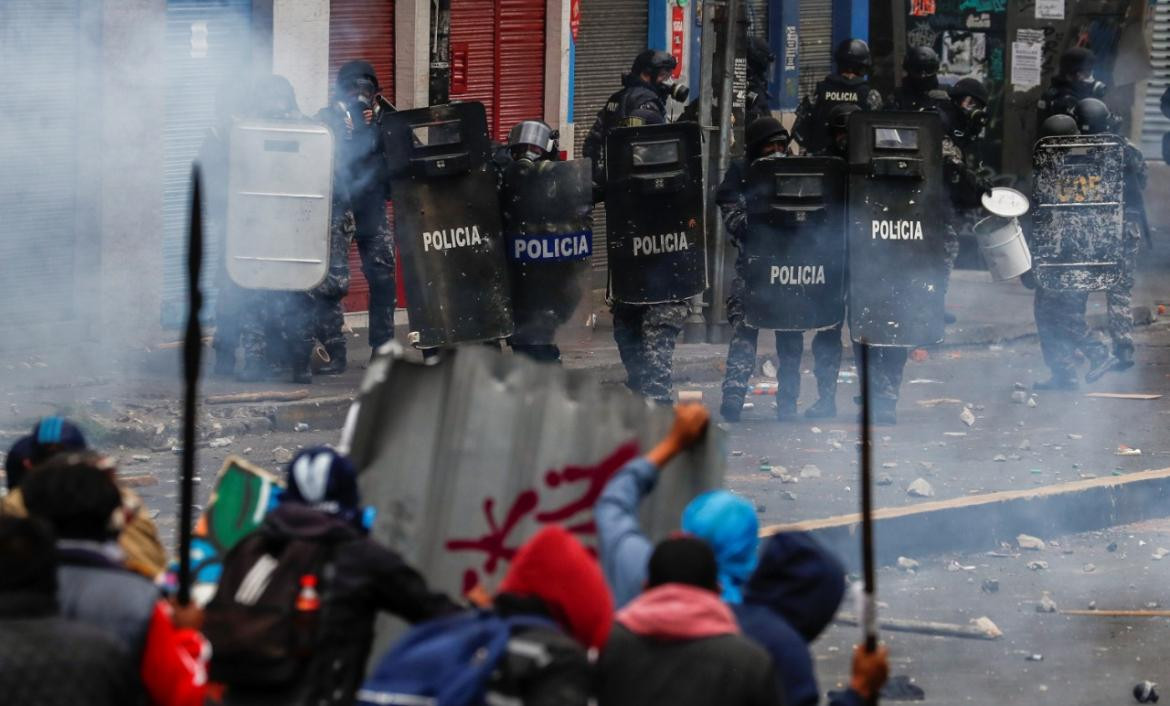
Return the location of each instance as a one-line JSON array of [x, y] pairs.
[[921, 627], [1120, 613], [1123, 396], [262, 396]]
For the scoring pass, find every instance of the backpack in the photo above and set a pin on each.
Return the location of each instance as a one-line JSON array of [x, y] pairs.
[[257, 635], [444, 662]]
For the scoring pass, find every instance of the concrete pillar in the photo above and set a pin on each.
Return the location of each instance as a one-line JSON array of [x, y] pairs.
[[412, 53], [300, 49], [558, 40]]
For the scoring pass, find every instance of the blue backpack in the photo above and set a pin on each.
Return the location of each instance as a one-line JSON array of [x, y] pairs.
[[444, 662]]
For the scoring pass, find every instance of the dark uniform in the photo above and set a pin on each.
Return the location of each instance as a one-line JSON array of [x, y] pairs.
[[1074, 82], [848, 85], [920, 90], [362, 167], [964, 116], [645, 333], [759, 63]]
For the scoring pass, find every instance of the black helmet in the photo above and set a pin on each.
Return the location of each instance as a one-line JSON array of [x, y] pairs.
[[852, 54], [920, 62], [652, 61], [1059, 125], [972, 87], [1092, 116], [354, 71], [759, 55], [762, 131], [273, 96], [1076, 60], [838, 117]]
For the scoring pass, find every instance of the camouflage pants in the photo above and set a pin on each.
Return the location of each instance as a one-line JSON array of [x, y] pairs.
[[325, 299], [376, 247], [1060, 322], [1118, 299], [276, 328], [741, 356], [887, 365], [645, 336]]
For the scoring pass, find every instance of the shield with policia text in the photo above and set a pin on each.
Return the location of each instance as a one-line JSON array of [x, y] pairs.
[[897, 229], [280, 197], [654, 207], [547, 209], [795, 243], [1078, 220], [447, 225]]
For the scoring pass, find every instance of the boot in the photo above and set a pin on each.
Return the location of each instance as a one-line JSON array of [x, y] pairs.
[[885, 412], [823, 408], [785, 410], [302, 373], [1098, 368], [1124, 356], [338, 360], [1066, 381], [730, 410]]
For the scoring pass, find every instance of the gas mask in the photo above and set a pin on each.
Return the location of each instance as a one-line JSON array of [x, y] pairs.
[[1090, 88], [976, 120], [670, 89], [530, 153], [921, 84]]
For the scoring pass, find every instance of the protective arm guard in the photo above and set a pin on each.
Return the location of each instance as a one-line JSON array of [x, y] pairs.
[[804, 113], [594, 149]]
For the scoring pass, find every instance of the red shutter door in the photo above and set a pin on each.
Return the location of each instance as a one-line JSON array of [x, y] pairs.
[[497, 58], [363, 29]]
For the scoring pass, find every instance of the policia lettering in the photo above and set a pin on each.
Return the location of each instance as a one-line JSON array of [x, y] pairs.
[[658, 244], [797, 274], [445, 239], [897, 230]]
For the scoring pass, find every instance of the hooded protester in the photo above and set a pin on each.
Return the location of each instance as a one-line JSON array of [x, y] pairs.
[[76, 494], [139, 540], [315, 541], [679, 626], [38, 647]]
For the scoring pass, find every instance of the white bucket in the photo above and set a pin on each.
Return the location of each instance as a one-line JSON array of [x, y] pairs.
[[1003, 246]]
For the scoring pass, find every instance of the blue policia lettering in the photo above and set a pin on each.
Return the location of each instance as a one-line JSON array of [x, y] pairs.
[[551, 247]]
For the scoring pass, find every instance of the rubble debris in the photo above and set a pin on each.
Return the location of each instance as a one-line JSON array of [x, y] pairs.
[[140, 458], [999, 458], [761, 508], [262, 396], [954, 433], [788, 495], [220, 442], [924, 381], [690, 395], [137, 481], [1145, 693], [939, 401], [810, 471], [1019, 396], [1046, 604], [815, 430], [907, 564], [919, 355], [1027, 541], [1092, 605], [989, 629], [1031, 403], [967, 417], [1160, 553], [765, 388], [1034, 657], [779, 472], [1112, 547], [979, 629], [1038, 565], [768, 369], [989, 586], [884, 479], [281, 455], [1089, 568], [1124, 450], [737, 454], [1076, 436], [889, 464], [920, 489], [300, 426], [956, 566], [1024, 445], [748, 405]]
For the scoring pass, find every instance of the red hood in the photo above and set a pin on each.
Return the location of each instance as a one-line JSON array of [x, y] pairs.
[[675, 611], [556, 568]]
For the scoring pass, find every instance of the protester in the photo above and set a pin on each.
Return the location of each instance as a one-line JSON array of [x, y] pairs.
[[45, 659], [76, 494], [782, 603], [527, 648], [292, 621], [139, 540], [679, 644]]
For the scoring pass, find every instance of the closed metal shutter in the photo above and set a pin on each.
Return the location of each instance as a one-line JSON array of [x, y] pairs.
[[757, 17], [497, 58], [816, 43], [1154, 124], [38, 155], [612, 33], [363, 29], [207, 44]]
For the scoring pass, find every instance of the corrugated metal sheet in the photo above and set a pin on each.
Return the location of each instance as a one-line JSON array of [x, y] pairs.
[[816, 43], [1155, 124], [473, 54], [207, 44], [38, 153], [362, 29], [757, 16], [466, 459], [611, 35]]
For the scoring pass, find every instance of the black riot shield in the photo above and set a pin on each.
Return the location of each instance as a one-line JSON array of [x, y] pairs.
[[548, 230], [1077, 229], [447, 223], [897, 251], [795, 243], [654, 213]]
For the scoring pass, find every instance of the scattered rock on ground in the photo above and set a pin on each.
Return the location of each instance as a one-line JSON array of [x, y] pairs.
[[907, 564], [810, 471], [884, 479], [920, 489], [1027, 541], [967, 417], [281, 455], [1046, 604]]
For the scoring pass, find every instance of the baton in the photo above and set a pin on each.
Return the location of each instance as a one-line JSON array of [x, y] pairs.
[[868, 603], [192, 351]]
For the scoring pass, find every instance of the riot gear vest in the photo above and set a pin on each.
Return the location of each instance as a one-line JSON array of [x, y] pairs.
[[635, 104], [834, 90], [916, 100]]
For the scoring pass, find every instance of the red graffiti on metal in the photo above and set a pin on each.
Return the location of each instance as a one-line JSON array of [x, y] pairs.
[[498, 544]]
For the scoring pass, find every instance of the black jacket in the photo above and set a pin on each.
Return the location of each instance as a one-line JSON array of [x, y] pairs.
[[637, 103], [542, 666], [49, 661], [833, 90], [359, 156]]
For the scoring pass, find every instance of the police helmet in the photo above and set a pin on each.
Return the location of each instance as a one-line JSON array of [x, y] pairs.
[[1077, 60], [1059, 125], [921, 62], [838, 117], [969, 87], [531, 132], [1092, 116], [759, 55], [652, 61], [763, 130], [352, 72], [852, 54]]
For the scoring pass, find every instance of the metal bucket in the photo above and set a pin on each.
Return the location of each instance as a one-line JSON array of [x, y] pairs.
[[1000, 238]]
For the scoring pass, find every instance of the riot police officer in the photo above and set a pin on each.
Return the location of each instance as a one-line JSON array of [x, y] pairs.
[[355, 116], [1073, 82], [848, 85], [759, 64], [641, 101], [1094, 118], [920, 89]]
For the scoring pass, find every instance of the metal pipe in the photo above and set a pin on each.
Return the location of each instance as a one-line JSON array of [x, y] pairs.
[[730, 23]]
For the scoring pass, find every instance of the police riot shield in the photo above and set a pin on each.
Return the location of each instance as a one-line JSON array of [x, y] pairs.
[[280, 195], [654, 213], [1078, 220], [795, 243], [896, 234], [548, 230], [447, 223]]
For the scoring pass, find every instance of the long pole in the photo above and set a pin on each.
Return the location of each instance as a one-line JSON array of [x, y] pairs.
[[718, 313], [192, 352], [869, 607]]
